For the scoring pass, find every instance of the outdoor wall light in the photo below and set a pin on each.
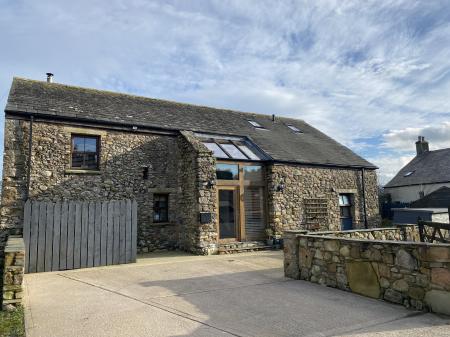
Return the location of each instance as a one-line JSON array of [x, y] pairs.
[[280, 187], [209, 183]]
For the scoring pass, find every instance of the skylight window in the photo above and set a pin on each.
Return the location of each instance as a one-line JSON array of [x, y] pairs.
[[249, 153], [407, 174], [294, 128], [256, 124]]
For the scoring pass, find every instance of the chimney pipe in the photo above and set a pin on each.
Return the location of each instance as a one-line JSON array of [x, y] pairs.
[[421, 145], [49, 78]]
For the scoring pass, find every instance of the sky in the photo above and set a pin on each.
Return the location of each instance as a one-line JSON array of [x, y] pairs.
[[374, 75]]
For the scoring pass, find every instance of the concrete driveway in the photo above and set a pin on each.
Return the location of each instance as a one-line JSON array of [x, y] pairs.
[[184, 295]]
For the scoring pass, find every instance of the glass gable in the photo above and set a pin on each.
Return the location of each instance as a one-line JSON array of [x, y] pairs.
[[231, 147], [233, 151], [227, 171], [217, 151]]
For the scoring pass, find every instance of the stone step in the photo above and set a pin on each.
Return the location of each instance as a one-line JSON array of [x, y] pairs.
[[241, 247]]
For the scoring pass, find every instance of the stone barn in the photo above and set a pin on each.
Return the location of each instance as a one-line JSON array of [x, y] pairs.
[[203, 178]]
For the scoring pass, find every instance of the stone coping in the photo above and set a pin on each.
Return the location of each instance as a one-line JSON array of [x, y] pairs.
[[364, 230], [14, 244], [329, 236], [391, 242]]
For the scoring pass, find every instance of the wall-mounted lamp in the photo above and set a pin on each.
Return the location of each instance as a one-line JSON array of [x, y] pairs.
[[280, 187], [209, 183]]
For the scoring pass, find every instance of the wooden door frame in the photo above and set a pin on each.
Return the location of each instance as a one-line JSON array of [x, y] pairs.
[[237, 213], [241, 184]]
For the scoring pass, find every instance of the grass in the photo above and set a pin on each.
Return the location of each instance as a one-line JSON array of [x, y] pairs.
[[12, 324]]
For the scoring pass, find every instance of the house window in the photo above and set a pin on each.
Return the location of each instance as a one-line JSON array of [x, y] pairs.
[[160, 208], [85, 152]]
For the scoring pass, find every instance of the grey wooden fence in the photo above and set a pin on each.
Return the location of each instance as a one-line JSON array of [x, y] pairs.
[[71, 234]]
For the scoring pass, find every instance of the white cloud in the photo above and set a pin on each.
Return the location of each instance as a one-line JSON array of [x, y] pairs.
[[354, 70], [438, 137]]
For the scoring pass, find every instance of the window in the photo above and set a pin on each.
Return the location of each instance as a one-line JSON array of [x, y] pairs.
[[294, 128], [160, 208], [231, 147], [233, 151], [216, 150], [249, 153], [253, 173], [85, 152], [344, 200], [256, 125], [227, 171], [145, 173], [407, 174]]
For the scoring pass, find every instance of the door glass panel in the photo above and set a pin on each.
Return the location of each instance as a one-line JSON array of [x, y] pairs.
[[254, 213], [227, 171], [227, 214]]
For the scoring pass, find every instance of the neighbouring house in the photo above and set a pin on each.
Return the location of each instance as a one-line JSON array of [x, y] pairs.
[[201, 176], [427, 172]]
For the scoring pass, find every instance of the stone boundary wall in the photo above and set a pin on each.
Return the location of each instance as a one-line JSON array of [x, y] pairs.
[[398, 233], [413, 274], [13, 271]]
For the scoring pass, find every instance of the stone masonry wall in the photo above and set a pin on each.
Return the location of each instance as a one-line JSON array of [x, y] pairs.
[[414, 274], [123, 157], [398, 233], [286, 208], [13, 272], [197, 180]]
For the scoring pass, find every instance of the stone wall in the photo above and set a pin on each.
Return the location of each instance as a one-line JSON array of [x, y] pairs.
[[398, 233], [13, 272], [414, 274], [123, 158], [286, 208], [197, 180]]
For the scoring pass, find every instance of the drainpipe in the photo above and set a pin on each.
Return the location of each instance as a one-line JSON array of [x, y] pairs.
[[364, 197], [30, 144]]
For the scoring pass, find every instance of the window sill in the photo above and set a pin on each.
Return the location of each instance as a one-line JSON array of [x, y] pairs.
[[163, 223], [82, 172]]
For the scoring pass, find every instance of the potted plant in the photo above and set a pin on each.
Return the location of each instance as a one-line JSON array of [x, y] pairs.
[[277, 241], [269, 234]]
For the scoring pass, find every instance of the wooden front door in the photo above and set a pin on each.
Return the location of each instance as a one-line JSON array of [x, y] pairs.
[[229, 220]]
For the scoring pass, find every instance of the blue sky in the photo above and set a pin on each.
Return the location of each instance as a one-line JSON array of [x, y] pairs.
[[371, 74]]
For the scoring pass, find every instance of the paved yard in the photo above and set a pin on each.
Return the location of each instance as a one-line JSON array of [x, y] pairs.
[[184, 295]]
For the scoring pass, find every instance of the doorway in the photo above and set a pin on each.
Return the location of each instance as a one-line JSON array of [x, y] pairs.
[[228, 213], [345, 208]]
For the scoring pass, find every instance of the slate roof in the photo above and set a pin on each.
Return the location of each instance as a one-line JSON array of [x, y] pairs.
[[278, 141], [437, 199], [428, 168]]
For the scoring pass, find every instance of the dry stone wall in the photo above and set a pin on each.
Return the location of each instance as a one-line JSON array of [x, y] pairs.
[[13, 272], [413, 274], [287, 207]]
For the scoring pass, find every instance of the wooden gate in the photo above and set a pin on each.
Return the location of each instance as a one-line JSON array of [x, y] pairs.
[[72, 234]]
